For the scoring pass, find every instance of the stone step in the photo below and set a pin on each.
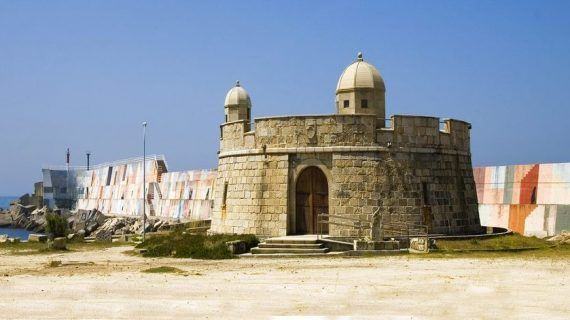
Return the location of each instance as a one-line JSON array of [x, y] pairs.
[[292, 245], [290, 241], [259, 250], [286, 255]]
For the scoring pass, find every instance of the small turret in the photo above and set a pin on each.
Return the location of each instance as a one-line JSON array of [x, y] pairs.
[[361, 90], [237, 105]]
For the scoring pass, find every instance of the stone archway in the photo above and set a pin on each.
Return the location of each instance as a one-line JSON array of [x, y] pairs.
[[311, 199]]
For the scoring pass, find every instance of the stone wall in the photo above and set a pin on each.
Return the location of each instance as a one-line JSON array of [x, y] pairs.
[[326, 131], [250, 195], [417, 170], [426, 132], [310, 131], [431, 189]]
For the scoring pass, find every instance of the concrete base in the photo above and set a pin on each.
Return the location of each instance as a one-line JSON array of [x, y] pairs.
[[37, 238], [58, 244], [360, 245], [236, 247], [419, 245]]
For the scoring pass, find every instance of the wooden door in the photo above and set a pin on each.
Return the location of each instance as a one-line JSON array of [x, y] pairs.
[[311, 199]]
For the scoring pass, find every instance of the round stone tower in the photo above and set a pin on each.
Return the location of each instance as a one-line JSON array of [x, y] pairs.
[[285, 176], [361, 90], [237, 105]]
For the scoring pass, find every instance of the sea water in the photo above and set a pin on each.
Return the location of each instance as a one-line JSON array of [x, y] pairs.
[[5, 201], [12, 233], [16, 233]]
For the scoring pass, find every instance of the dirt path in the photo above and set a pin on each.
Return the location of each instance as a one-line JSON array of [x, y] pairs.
[[109, 284]]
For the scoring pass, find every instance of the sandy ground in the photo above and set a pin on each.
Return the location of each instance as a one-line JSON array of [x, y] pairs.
[[109, 284]]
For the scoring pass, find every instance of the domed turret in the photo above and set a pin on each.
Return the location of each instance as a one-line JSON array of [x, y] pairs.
[[361, 90], [237, 105]]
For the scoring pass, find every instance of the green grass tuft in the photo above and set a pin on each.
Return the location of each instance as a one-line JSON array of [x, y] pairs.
[[54, 263], [182, 245], [163, 269], [507, 246], [506, 242]]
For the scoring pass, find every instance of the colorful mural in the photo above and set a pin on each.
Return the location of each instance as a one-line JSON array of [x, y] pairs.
[[533, 200], [117, 188], [185, 195]]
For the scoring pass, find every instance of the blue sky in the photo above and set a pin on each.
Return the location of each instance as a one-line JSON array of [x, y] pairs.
[[85, 74]]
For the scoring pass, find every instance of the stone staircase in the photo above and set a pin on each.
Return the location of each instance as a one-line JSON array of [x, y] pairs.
[[290, 246]]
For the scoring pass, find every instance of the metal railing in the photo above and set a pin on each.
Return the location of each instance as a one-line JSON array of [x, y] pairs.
[[393, 228], [357, 223], [152, 157]]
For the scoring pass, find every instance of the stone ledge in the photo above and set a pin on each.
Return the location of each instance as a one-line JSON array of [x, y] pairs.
[[249, 152]]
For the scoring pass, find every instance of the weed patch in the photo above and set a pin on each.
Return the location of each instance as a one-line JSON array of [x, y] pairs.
[[54, 263], [507, 246], [182, 245], [506, 242], [163, 269]]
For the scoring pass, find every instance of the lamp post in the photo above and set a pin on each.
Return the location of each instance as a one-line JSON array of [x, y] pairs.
[[88, 154], [144, 180]]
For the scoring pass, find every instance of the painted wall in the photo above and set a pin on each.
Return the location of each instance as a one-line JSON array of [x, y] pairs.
[[533, 200], [117, 189], [185, 195]]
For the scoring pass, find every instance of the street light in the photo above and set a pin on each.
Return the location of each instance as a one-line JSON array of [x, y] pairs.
[[144, 180], [88, 154]]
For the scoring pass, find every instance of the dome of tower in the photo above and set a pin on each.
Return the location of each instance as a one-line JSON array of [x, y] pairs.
[[237, 96], [360, 75]]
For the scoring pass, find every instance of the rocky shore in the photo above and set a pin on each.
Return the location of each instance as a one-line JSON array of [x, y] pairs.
[[81, 223]]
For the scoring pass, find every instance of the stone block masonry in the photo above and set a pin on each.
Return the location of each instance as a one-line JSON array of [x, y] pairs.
[[418, 170]]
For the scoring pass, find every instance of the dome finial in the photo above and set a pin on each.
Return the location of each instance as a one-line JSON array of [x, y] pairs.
[[237, 83], [360, 56]]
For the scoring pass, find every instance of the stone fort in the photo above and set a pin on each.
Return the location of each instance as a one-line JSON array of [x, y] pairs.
[[353, 165]]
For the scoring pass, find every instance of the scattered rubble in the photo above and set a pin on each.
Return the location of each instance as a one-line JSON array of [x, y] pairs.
[[25, 214], [563, 237]]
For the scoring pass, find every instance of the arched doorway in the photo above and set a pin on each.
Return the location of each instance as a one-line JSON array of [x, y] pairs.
[[311, 199]]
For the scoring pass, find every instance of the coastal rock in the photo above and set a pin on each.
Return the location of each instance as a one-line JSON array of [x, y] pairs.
[[21, 214], [563, 237], [87, 220], [157, 224], [164, 226], [77, 237], [28, 217], [109, 228], [91, 227], [5, 218], [104, 235]]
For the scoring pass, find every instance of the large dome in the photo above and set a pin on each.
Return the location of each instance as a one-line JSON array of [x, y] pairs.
[[360, 75], [237, 96]]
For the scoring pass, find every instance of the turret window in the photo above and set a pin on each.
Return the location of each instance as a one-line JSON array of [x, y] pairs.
[[346, 103], [364, 103]]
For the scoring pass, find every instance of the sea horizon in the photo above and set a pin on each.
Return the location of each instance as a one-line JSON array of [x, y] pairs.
[[5, 201]]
